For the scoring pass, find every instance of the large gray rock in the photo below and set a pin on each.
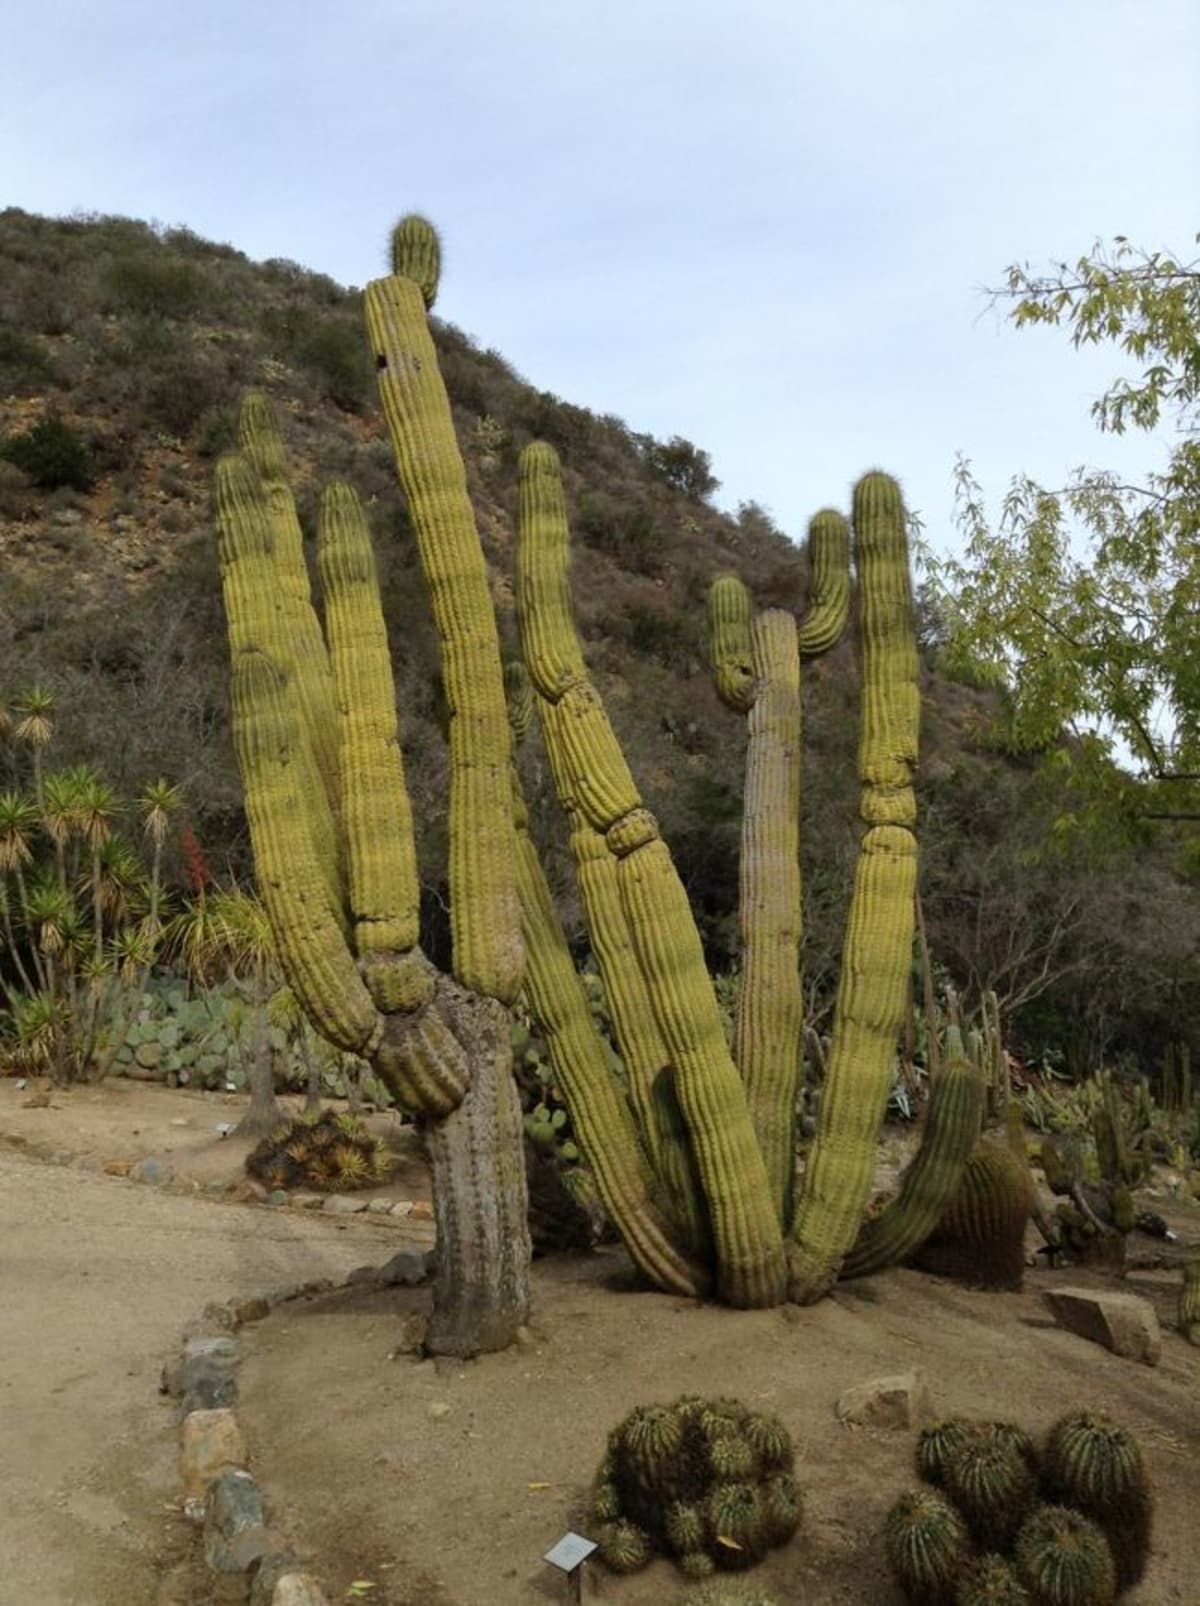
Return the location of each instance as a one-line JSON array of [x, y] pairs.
[[900, 1401], [235, 1529], [1123, 1323]]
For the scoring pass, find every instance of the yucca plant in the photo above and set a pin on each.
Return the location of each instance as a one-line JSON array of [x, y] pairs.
[[79, 913]]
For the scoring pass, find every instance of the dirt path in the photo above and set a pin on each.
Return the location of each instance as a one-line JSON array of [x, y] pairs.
[[98, 1278]]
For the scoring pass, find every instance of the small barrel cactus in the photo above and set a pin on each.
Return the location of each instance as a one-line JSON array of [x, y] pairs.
[[1095, 1465], [991, 1581], [935, 1444], [927, 1546], [624, 1547], [1065, 1560], [992, 1485]]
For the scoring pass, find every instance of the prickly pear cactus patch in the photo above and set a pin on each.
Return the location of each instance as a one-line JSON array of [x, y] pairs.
[[707, 1482]]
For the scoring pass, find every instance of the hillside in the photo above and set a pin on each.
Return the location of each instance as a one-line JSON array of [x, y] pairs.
[[141, 341]]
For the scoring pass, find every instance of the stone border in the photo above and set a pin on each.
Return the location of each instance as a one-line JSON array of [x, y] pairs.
[[153, 1172], [246, 1560]]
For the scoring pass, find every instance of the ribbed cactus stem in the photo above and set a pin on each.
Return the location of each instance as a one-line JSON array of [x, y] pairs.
[[770, 1012], [876, 959], [263, 617], [312, 951], [261, 442], [931, 1180], [729, 649], [746, 1231], [1189, 1302], [485, 920], [601, 1118], [376, 813], [828, 608]]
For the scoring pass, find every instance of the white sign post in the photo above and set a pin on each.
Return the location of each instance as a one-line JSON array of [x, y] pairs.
[[569, 1556]]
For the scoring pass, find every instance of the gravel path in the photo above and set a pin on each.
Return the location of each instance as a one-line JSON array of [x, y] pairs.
[[97, 1278]]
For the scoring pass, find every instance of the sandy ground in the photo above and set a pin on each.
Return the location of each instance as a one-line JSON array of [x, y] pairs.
[[456, 1508], [98, 1278], [364, 1468]]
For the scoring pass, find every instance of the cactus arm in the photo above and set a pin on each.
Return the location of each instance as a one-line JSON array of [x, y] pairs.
[[602, 1120], [376, 813], [312, 951], [729, 647], [828, 609], [933, 1177], [647, 1063], [876, 960], [770, 1009], [260, 618], [746, 1231], [594, 778], [261, 443], [484, 914]]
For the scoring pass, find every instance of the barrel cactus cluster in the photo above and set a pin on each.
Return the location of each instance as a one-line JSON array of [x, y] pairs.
[[996, 1519], [707, 1482]]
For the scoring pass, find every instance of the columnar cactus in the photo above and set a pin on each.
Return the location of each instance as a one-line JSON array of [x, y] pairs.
[[595, 784], [343, 904], [1189, 1302], [931, 1180], [732, 1117]]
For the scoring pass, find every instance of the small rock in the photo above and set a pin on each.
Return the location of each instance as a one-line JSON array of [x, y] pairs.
[[1123, 1323], [380, 1207], [117, 1168], [246, 1191], [281, 1295], [212, 1443], [151, 1170], [902, 1401], [219, 1347], [439, 1410], [170, 1379], [87, 1162], [250, 1309], [298, 1589], [278, 1564], [306, 1201], [408, 1268], [422, 1210], [206, 1388], [235, 1534], [402, 1207], [277, 1196], [318, 1285], [367, 1275], [220, 1317], [344, 1204]]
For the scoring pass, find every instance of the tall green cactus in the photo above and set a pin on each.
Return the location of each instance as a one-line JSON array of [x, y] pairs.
[[344, 903], [737, 1114], [876, 957], [594, 782]]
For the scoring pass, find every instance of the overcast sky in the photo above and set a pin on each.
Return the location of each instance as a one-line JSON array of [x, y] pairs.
[[764, 226]]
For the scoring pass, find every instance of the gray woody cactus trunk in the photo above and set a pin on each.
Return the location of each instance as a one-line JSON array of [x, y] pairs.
[[315, 729]]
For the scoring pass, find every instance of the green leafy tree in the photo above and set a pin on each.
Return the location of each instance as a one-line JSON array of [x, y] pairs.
[[1079, 602]]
